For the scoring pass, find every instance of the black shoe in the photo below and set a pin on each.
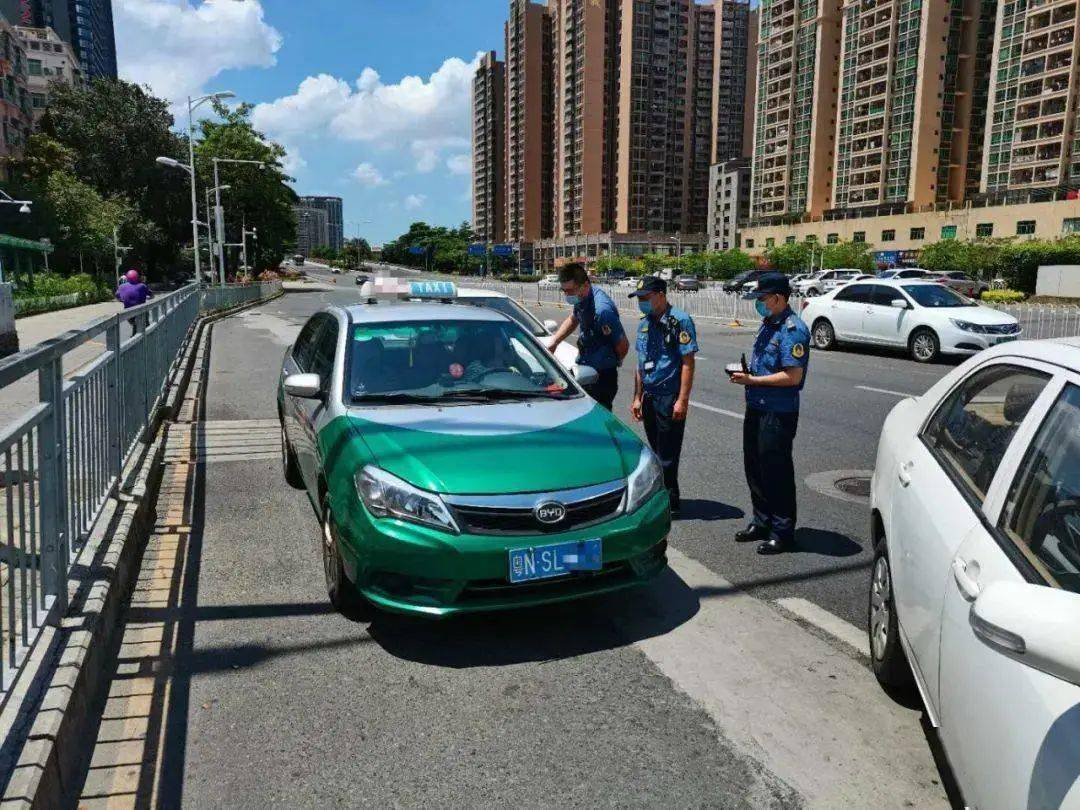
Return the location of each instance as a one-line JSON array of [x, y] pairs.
[[774, 545], [751, 533]]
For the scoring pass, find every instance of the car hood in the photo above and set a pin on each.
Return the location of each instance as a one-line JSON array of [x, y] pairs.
[[507, 447], [984, 316]]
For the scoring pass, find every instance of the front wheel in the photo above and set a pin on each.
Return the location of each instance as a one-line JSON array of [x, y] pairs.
[[925, 346], [813, 292], [824, 335], [344, 595], [886, 653], [289, 465]]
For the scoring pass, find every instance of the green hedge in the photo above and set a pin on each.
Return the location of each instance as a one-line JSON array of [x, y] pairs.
[[53, 285], [1003, 296]]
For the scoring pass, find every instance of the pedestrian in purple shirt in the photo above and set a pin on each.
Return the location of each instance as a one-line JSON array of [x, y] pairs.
[[132, 292]]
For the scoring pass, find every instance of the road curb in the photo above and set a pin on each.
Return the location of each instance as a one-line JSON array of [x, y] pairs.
[[56, 702]]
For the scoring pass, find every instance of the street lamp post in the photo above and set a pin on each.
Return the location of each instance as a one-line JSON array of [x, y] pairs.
[[209, 228], [192, 103], [219, 214], [245, 233], [118, 250]]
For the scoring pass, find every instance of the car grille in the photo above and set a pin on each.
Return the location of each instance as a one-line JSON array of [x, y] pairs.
[[1003, 329], [513, 515]]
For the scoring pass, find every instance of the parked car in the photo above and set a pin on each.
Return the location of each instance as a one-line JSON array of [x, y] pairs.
[[824, 281], [737, 283], [551, 280], [687, 284], [907, 272], [975, 586], [925, 318], [362, 278], [963, 283]]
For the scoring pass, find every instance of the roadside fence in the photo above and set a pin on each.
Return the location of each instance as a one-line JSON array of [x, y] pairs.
[[63, 458]]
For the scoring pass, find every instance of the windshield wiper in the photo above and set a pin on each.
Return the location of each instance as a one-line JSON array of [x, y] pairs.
[[392, 398], [498, 394]]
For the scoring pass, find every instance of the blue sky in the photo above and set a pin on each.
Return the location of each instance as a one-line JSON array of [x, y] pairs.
[[371, 97]]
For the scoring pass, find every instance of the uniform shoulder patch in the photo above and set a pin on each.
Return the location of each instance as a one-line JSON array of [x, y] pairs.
[[684, 337], [798, 351], [605, 329], [641, 283]]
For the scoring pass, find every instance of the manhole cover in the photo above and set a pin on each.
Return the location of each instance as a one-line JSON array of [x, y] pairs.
[[858, 485]]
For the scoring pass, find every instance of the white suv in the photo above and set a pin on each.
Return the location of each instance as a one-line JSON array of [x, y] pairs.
[[825, 281], [975, 586]]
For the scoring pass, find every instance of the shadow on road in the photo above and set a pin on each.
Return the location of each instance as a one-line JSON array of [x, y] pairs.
[[825, 543], [701, 509]]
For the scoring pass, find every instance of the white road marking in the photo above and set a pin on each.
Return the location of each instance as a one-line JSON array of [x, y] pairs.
[[808, 712], [830, 623], [720, 411], [902, 394]]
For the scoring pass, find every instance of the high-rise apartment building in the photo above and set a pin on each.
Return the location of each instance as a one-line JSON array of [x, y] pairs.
[[909, 102], [49, 60], [528, 144], [86, 25], [1031, 137], [16, 119], [585, 68], [729, 202], [734, 79], [335, 225], [312, 228], [795, 128], [488, 150]]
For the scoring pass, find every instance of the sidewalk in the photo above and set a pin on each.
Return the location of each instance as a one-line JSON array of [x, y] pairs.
[[16, 398]]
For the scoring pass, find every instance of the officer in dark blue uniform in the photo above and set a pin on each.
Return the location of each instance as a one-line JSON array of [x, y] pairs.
[[603, 343], [777, 373], [666, 346]]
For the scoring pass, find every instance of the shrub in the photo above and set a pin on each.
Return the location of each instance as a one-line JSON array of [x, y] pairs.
[[1003, 296], [51, 285]]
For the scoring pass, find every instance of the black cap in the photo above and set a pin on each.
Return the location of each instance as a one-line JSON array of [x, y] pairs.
[[771, 284], [649, 284]]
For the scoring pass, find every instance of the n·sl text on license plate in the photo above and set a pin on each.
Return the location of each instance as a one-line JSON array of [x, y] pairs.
[[555, 559]]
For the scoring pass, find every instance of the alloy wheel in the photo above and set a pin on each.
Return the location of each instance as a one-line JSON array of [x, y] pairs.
[[880, 608], [823, 335], [923, 346]]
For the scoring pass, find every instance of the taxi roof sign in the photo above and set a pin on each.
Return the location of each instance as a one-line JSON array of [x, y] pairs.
[[395, 289]]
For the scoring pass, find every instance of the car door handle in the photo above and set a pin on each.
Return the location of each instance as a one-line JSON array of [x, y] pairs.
[[969, 588], [903, 473]]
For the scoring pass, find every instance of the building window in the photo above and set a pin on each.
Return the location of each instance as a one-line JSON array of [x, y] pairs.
[[888, 235], [858, 236], [1071, 225], [811, 238], [832, 238], [749, 243], [34, 67], [1025, 227], [918, 233], [770, 242], [984, 230], [789, 240], [948, 231]]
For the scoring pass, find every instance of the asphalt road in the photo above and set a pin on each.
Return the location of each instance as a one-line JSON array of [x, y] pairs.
[[691, 692]]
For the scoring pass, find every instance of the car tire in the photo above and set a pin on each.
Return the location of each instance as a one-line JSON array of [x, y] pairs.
[[290, 466], [824, 335], [344, 595], [813, 292], [887, 656], [924, 346]]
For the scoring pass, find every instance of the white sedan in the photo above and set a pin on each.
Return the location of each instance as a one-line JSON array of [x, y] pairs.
[[924, 318], [975, 585], [565, 353], [550, 280], [824, 281]]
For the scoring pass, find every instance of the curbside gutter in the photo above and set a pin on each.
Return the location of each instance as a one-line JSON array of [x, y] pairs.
[[59, 694]]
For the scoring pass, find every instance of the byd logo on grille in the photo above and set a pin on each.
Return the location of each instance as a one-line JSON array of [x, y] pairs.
[[549, 512]]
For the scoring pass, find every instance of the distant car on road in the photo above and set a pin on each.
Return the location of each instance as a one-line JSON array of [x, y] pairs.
[[907, 272], [737, 283], [963, 283], [975, 586], [550, 280], [687, 284], [298, 259], [824, 281], [362, 278], [925, 318]]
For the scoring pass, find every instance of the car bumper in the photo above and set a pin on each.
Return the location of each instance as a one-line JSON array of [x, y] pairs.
[[406, 568], [956, 341]]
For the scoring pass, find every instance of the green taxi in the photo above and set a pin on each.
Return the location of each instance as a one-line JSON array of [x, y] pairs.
[[455, 466]]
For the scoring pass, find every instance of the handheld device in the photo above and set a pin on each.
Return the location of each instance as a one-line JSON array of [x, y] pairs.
[[733, 368]]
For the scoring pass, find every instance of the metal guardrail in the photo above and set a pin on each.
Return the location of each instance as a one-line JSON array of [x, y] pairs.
[[1039, 321], [62, 459]]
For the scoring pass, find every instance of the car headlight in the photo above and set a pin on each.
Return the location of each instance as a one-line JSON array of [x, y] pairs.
[[386, 495], [967, 326], [645, 481]]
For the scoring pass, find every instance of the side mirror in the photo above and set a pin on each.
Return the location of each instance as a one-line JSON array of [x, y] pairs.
[[586, 375], [1031, 624], [304, 386], [898, 303], [551, 326]]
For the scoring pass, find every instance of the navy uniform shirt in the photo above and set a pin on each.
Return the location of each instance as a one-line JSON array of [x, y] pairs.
[[601, 330], [783, 341], [662, 343]]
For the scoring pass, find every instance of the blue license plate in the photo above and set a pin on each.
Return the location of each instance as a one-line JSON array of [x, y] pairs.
[[554, 560], [1007, 339]]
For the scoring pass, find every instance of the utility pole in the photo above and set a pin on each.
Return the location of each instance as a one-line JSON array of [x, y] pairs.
[[119, 250]]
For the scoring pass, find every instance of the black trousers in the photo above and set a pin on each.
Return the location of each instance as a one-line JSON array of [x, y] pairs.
[[605, 388], [665, 437], [770, 470]]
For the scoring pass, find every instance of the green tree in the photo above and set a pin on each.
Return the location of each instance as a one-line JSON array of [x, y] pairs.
[[854, 255], [790, 257], [727, 264]]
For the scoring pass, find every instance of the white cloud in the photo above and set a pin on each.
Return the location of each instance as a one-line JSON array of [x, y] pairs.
[[459, 164], [428, 117], [293, 161], [414, 201], [176, 46], [367, 175]]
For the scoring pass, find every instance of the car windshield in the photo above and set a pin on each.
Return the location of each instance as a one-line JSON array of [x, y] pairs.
[[447, 361], [935, 296], [512, 310]]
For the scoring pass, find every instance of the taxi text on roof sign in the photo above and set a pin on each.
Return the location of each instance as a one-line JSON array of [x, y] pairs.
[[396, 289]]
